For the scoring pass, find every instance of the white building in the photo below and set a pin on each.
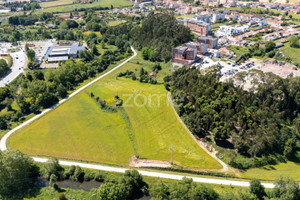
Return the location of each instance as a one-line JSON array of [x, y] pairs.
[[225, 31], [204, 18], [216, 17]]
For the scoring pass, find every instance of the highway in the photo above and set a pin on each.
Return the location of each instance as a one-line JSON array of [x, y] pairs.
[[3, 147], [19, 63]]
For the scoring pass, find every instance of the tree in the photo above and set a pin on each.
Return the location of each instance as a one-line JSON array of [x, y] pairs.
[[294, 41], [159, 191], [257, 188], [187, 189], [135, 184], [103, 44], [18, 174], [61, 91], [112, 191], [270, 46], [47, 100], [286, 188], [31, 54], [53, 167], [95, 50], [53, 179], [78, 174], [290, 148]]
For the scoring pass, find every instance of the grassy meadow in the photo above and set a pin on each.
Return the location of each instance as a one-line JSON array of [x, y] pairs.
[[271, 172], [146, 127], [61, 8], [293, 53], [115, 22]]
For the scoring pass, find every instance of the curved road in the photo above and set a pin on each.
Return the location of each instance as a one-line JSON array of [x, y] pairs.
[[118, 169], [19, 63]]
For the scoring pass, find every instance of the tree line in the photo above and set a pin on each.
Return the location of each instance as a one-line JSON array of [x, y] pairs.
[[19, 176]]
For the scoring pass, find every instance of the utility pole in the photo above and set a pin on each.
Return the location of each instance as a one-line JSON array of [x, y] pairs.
[[171, 149]]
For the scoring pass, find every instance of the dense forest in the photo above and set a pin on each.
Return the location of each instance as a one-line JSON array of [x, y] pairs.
[[19, 177], [256, 123], [159, 33]]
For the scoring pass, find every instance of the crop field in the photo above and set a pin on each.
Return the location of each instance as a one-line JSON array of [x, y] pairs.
[[100, 3], [55, 3], [146, 127]]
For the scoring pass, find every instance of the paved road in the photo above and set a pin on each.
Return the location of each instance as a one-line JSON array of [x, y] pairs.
[[19, 63], [117, 169], [155, 174]]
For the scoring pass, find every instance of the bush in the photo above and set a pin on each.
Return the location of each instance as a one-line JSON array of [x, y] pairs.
[[78, 174], [99, 176], [88, 175]]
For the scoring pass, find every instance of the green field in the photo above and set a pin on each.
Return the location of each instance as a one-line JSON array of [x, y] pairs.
[[272, 172], [95, 4], [115, 23], [80, 130], [55, 3], [186, 16], [293, 53]]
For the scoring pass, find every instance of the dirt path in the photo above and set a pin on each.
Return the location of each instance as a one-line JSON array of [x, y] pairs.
[[226, 168]]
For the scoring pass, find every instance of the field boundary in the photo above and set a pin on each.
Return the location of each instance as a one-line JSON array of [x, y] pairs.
[[225, 168]]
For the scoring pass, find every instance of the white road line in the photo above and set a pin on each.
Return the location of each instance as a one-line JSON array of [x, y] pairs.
[[118, 169]]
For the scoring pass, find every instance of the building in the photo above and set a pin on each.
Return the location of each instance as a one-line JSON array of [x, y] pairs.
[[204, 18], [201, 47], [225, 31], [216, 17], [199, 27], [211, 42], [62, 53], [184, 55]]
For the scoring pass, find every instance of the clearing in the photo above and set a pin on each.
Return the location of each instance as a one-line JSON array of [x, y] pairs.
[[146, 127]]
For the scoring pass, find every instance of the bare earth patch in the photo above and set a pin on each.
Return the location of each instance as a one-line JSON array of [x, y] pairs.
[[136, 162], [279, 68]]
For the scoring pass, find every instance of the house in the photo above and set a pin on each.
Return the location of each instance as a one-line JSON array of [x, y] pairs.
[[271, 36], [225, 31], [153, 74]]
